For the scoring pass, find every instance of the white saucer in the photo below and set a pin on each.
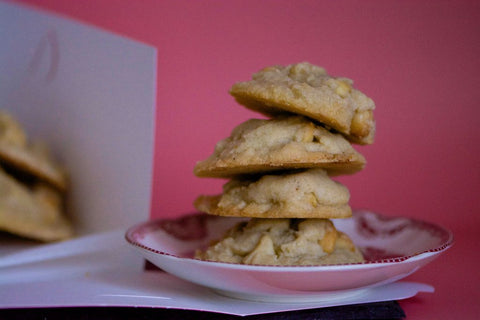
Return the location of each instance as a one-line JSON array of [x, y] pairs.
[[394, 248]]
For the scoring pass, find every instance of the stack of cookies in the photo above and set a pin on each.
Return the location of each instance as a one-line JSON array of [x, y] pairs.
[[32, 186], [280, 169]]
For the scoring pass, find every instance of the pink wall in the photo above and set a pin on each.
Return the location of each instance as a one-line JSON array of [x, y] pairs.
[[419, 61]]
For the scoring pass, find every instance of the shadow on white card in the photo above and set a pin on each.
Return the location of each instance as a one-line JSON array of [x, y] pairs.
[[90, 95]]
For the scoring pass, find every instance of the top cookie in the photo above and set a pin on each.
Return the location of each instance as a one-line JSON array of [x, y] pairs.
[[260, 145], [32, 158], [308, 90]]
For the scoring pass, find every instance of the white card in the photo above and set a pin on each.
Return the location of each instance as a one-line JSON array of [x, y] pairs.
[[90, 95]]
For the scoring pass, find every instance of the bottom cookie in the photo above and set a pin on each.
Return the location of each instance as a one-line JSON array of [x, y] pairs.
[[283, 242]]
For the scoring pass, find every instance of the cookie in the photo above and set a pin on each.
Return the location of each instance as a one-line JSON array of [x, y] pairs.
[[283, 242], [260, 146], [308, 90], [305, 194], [34, 212], [33, 158]]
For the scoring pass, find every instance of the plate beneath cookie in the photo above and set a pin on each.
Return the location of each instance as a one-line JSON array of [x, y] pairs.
[[394, 247]]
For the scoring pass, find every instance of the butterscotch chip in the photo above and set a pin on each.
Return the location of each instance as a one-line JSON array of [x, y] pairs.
[[33, 212], [308, 90], [30, 157], [260, 146], [283, 242], [306, 194]]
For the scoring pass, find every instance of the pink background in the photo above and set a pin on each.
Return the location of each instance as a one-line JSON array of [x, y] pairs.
[[418, 60]]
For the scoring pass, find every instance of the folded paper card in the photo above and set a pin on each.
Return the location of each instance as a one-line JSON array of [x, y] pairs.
[[90, 95]]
